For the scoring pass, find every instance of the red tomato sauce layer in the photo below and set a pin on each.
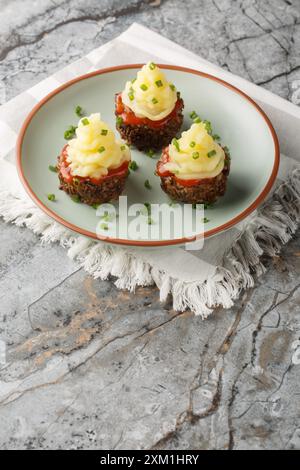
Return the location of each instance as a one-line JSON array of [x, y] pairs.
[[130, 118], [65, 170], [163, 173]]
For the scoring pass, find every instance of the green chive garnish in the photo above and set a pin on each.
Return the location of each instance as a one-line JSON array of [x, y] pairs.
[[197, 120], [104, 131], [208, 126], [211, 153], [147, 184], [123, 147], [150, 221], [101, 149], [152, 66], [216, 137], [79, 111], [133, 80], [148, 207], [95, 206], [51, 197], [195, 155], [85, 121], [205, 220], [75, 198], [143, 87], [52, 168], [173, 88], [159, 83], [207, 205], [154, 100], [193, 115], [104, 226], [131, 96], [176, 144], [119, 121], [192, 144], [70, 132], [150, 153], [133, 165]]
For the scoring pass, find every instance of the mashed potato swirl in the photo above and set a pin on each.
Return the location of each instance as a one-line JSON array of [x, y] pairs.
[[195, 155], [94, 151], [150, 95]]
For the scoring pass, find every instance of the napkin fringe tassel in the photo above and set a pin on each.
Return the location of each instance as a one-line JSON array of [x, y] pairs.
[[275, 223]]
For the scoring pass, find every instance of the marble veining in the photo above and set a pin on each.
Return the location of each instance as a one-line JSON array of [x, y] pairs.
[[88, 366]]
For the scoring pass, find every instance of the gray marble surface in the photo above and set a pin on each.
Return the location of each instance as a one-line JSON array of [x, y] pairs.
[[88, 366]]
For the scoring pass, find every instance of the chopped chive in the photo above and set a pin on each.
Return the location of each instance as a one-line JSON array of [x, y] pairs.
[[133, 80], [79, 111], [123, 147], [194, 206], [148, 207], [85, 121], [197, 120], [173, 88], [147, 184], [150, 221], [216, 137], [192, 144], [52, 168], [208, 126], [176, 144], [106, 216], [75, 198], [154, 100], [104, 226], [95, 206], [104, 131], [131, 96], [119, 121], [70, 132], [205, 220], [152, 66], [195, 155], [150, 153], [211, 153], [159, 83], [207, 205], [101, 149], [133, 165], [143, 87], [51, 197], [193, 115]]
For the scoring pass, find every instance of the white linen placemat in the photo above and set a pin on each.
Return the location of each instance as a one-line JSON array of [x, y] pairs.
[[197, 280]]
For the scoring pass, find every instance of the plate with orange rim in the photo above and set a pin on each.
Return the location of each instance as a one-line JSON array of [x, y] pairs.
[[240, 122]]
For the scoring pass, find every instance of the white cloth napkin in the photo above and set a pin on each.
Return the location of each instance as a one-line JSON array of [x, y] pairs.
[[197, 280]]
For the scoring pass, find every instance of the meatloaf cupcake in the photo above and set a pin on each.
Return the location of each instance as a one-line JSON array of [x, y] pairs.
[[149, 110], [194, 168], [93, 166]]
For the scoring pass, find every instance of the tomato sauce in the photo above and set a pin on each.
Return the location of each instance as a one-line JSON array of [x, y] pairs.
[[65, 170], [130, 118]]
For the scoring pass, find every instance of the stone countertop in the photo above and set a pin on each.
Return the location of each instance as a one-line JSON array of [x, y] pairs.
[[88, 366]]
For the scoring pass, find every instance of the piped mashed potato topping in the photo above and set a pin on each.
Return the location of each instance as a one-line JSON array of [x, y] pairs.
[[150, 95], [195, 155], [94, 151]]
